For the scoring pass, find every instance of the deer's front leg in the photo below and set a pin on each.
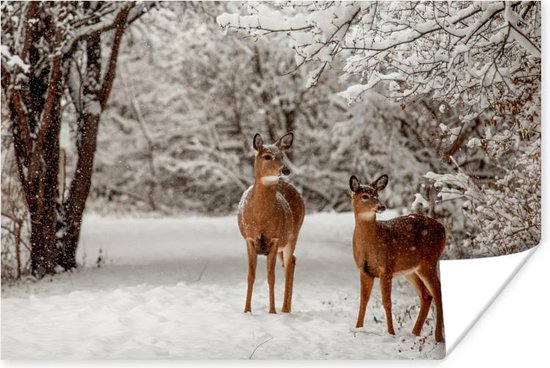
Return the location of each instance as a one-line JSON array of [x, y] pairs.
[[252, 260], [271, 260], [385, 287], [366, 287]]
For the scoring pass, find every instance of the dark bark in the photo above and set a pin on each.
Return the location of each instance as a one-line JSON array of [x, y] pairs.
[[43, 172], [264, 95], [41, 188], [36, 118], [95, 95], [290, 117], [43, 225], [87, 127]]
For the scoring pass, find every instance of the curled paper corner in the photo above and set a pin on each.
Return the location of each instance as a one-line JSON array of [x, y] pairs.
[[471, 286]]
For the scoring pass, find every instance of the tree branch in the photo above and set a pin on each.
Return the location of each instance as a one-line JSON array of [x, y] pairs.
[[32, 10], [108, 80], [22, 123], [50, 108], [99, 27]]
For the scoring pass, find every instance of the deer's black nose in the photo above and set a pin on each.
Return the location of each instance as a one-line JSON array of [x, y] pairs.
[[381, 208], [285, 170]]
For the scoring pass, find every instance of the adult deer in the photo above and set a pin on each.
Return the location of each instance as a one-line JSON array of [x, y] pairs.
[[409, 245], [270, 216]]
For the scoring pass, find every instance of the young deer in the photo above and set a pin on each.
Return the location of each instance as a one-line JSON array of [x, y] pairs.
[[409, 245], [271, 213]]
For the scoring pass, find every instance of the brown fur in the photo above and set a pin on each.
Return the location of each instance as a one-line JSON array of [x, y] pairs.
[[411, 245], [270, 218]]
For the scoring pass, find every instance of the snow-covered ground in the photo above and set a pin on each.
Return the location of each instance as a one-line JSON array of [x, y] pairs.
[[174, 288]]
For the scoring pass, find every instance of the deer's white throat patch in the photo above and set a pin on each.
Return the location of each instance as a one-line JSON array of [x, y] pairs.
[[270, 180], [367, 216]]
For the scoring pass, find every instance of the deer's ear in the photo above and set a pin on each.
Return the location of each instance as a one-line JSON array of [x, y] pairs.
[[258, 142], [285, 142], [354, 183], [380, 183]]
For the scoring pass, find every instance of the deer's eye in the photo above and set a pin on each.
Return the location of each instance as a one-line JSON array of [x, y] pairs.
[[268, 157], [365, 197]]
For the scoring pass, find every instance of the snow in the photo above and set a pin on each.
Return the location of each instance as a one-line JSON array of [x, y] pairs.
[[525, 43], [460, 179], [92, 107], [419, 201], [270, 21], [174, 288], [354, 92], [244, 199], [13, 60], [330, 23]]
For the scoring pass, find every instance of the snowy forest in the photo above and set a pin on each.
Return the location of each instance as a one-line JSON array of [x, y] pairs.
[[149, 109], [120, 118], [442, 97]]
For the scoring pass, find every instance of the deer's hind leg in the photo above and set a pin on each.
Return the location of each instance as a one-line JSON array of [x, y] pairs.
[[431, 280], [289, 264], [281, 259], [252, 261], [425, 302]]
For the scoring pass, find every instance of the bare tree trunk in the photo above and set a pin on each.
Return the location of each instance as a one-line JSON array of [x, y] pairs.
[[290, 116], [152, 182], [34, 99], [42, 207], [37, 152], [50, 193], [95, 95], [264, 95], [87, 127], [18, 225]]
